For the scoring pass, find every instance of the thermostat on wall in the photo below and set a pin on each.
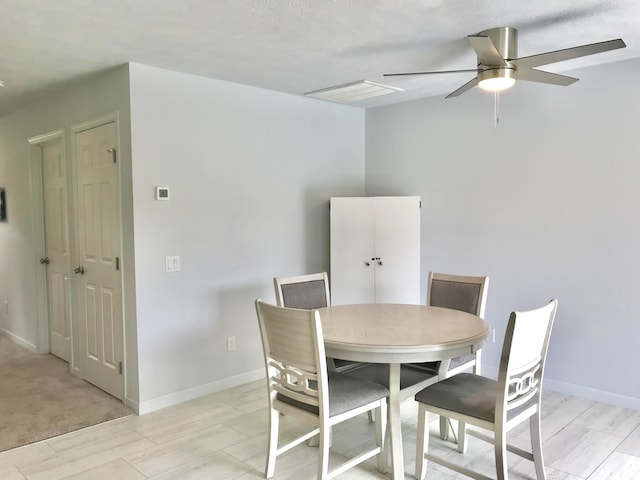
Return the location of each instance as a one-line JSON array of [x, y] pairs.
[[162, 193]]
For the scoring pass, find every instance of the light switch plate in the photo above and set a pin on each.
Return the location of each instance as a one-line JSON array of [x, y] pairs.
[[172, 264]]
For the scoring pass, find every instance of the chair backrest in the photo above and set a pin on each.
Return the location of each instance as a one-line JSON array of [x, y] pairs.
[[458, 292], [524, 353], [294, 354], [303, 291]]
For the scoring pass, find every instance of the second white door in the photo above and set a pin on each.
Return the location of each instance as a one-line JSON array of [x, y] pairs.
[[100, 316], [56, 260]]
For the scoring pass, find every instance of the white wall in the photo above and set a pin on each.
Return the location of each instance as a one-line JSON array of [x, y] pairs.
[[250, 173], [547, 205], [21, 237]]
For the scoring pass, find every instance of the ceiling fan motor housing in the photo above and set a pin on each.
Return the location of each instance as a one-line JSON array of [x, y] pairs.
[[505, 40]]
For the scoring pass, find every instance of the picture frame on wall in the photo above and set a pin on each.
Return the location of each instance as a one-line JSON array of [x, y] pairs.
[[3, 205]]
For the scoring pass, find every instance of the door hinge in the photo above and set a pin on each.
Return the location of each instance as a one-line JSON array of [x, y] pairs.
[[120, 368], [117, 263]]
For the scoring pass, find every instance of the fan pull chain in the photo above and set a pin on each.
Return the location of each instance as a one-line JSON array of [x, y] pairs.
[[496, 108]]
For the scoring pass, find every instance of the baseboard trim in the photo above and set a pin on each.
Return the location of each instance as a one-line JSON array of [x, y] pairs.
[[581, 391], [19, 340], [148, 406]]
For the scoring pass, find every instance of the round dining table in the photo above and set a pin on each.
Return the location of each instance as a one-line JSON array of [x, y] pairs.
[[395, 334]]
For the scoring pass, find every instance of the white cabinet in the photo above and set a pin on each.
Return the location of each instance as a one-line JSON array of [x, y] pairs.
[[375, 250]]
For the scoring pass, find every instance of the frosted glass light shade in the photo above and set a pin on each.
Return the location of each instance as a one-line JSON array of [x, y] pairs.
[[498, 79]]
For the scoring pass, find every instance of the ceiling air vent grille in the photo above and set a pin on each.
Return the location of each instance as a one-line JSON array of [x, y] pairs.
[[353, 92]]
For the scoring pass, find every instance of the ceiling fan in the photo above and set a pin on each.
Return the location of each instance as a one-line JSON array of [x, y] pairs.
[[499, 66]]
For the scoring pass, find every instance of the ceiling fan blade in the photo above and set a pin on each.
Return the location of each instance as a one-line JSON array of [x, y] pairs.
[[429, 73], [467, 86], [567, 54], [486, 51], [532, 75]]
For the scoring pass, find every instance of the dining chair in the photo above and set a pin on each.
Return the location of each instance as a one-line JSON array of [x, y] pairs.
[[494, 405], [299, 384], [459, 292], [309, 291]]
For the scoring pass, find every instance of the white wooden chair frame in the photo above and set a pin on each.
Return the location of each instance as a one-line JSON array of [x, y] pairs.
[[280, 284], [295, 357], [444, 370], [483, 283], [519, 385]]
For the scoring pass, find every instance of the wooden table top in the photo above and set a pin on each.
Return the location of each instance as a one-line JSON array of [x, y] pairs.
[[398, 333]]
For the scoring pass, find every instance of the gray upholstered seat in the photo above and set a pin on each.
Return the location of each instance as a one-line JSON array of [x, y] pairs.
[[300, 386], [464, 393], [345, 393], [493, 405]]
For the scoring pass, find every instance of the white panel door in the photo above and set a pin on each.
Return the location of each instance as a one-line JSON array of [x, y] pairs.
[[56, 227], [100, 321], [397, 249], [352, 250]]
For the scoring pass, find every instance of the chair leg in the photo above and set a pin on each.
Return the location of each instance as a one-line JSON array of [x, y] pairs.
[[444, 428], [315, 440], [501, 455], [462, 436], [477, 367], [381, 434], [422, 442], [536, 446], [274, 426], [323, 452]]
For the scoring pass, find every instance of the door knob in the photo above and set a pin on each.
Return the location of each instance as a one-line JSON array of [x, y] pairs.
[[79, 270], [367, 264], [380, 262], [44, 261]]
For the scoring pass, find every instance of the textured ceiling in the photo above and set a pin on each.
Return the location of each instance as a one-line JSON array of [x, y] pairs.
[[292, 46]]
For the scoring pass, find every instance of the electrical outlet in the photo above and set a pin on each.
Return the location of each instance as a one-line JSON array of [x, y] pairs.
[[231, 344]]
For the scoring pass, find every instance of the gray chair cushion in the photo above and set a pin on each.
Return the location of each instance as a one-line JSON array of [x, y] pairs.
[[468, 394], [307, 295], [379, 373], [345, 393], [455, 295], [464, 393]]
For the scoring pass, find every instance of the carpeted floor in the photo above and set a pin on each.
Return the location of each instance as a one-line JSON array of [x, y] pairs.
[[40, 399]]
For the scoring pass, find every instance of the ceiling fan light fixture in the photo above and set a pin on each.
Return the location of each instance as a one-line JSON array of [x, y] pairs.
[[497, 79]]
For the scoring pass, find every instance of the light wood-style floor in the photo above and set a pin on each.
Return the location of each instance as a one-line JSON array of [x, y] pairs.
[[223, 436]]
